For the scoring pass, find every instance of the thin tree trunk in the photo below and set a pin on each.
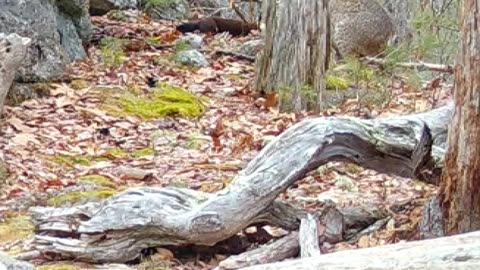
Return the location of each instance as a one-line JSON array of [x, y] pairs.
[[460, 184], [400, 13], [296, 51]]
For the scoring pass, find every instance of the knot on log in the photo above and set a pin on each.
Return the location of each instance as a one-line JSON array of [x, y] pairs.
[[207, 222]]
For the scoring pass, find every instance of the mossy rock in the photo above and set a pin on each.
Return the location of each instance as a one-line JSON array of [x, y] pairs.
[[143, 152], [76, 197], [15, 228], [20, 92], [163, 100]]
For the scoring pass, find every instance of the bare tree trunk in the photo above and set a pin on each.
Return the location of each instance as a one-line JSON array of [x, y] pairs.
[[400, 13], [13, 49], [460, 184], [296, 52]]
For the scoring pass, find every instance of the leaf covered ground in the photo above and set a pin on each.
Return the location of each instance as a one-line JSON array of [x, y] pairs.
[[103, 130]]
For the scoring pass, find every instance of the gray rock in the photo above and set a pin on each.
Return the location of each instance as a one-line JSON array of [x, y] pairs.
[[69, 39], [101, 7], [168, 10], [13, 49], [191, 58], [57, 29], [79, 29], [191, 40], [252, 47], [8, 263]]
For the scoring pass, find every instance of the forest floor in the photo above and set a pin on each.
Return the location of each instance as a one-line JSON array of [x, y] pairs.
[[54, 144]]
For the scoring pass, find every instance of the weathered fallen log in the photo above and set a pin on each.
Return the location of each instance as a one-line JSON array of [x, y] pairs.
[[13, 49], [352, 218], [454, 252], [119, 228]]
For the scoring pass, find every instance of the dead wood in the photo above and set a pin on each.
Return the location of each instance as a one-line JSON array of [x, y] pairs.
[[431, 224], [240, 56], [13, 49], [420, 66], [454, 252], [284, 248], [308, 237], [331, 229], [120, 227]]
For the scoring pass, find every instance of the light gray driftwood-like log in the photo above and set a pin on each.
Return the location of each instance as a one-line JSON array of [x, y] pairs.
[[459, 252], [308, 237], [122, 225], [284, 248], [13, 49]]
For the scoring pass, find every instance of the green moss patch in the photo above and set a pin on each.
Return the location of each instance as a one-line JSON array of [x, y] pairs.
[[80, 196], [112, 50], [117, 153], [15, 228], [99, 180], [336, 83], [78, 84], [110, 154], [164, 100], [58, 267], [162, 4], [234, 77], [155, 40], [120, 153], [74, 160], [143, 152]]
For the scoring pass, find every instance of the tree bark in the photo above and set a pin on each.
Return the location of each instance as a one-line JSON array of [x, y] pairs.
[[460, 184], [13, 49], [296, 53]]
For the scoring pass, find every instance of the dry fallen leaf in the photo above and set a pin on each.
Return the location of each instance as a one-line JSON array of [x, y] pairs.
[[24, 139], [18, 124]]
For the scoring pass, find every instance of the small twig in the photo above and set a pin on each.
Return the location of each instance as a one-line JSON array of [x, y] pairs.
[[370, 229], [235, 54], [421, 66], [161, 46]]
